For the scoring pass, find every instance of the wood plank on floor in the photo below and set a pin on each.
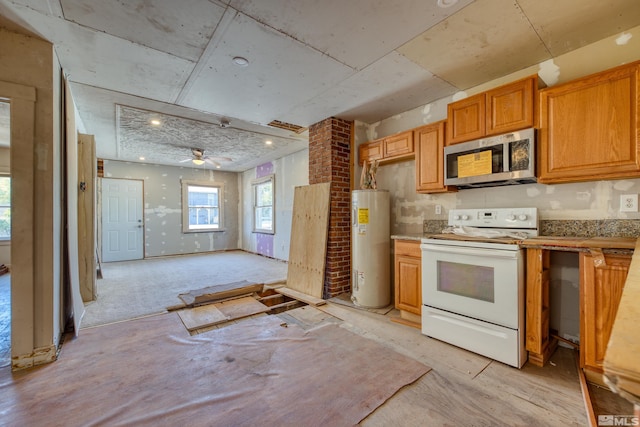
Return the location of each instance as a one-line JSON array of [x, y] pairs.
[[201, 317], [219, 292], [241, 307], [292, 293]]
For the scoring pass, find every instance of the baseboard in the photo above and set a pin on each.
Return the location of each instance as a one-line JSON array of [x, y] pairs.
[[38, 356]]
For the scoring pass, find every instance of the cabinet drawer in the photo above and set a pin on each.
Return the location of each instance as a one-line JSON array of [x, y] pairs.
[[408, 248]]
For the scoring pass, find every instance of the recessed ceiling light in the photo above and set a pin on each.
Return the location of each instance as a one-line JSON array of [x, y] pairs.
[[240, 61], [446, 3], [217, 166], [141, 158], [155, 122], [268, 142]]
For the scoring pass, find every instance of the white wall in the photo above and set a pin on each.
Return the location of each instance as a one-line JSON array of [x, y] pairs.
[[163, 212], [290, 171], [589, 200]]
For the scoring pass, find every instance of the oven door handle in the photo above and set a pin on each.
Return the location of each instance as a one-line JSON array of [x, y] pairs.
[[463, 250]]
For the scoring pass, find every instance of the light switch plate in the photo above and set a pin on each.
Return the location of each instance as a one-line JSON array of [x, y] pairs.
[[629, 203]]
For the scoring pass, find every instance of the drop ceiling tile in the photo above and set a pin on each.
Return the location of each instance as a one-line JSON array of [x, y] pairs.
[[47, 7], [486, 40], [570, 24], [281, 72], [170, 27], [355, 32], [387, 86], [111, 62]]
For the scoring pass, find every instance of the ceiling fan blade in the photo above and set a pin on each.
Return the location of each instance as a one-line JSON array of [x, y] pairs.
[[224, 159], [212, 162]]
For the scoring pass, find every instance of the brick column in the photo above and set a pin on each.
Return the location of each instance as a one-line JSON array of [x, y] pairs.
[[329, 161]]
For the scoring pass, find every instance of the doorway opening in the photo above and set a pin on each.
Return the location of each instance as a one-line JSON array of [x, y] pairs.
[[5, 234]]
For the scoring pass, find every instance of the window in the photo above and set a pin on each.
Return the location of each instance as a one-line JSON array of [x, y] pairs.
[[5, 208], [263, 205], [202, 206]]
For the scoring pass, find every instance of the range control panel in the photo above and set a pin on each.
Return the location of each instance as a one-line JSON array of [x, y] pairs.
[[510, 218]]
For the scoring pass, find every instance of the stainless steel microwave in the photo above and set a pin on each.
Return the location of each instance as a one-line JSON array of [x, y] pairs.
[[493, 161]]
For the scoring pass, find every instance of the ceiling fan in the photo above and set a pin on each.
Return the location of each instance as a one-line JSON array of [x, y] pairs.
[[199, 158]]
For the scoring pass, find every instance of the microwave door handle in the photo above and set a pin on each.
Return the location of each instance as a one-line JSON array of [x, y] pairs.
[[506, 157]]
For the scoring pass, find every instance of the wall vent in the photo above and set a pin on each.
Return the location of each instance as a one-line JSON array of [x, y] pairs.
[[287, 126]]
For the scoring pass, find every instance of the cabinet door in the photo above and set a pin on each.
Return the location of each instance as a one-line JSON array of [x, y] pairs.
[[408, 276], [408, 284], [510, 107], [589, 128], [466, 119], [370, 151], [398, 145], [429, 145], [600, 292]]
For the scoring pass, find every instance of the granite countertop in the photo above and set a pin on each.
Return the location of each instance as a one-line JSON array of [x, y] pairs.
[[580, 242], [410, 236], [566, 243]]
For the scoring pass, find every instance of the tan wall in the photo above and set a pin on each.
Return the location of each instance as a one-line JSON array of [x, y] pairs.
[[36, 288], [585, 201]]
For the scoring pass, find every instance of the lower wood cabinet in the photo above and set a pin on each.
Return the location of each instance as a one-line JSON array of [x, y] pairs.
[[602, 278], [408, 279], [601, 283]]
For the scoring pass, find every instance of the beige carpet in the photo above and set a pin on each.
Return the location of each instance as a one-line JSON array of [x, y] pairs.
[[257, 372], [133, 289]]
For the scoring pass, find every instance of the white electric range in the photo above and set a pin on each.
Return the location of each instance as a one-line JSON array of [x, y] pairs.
[[473, 278]]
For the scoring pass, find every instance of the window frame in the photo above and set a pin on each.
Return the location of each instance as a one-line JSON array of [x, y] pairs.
[[186, 184], [255, 184]]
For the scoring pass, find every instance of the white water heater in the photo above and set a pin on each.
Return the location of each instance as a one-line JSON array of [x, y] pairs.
[[370, 246]]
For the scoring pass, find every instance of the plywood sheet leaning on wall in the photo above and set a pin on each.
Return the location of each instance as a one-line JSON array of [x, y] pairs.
[[308, 247]]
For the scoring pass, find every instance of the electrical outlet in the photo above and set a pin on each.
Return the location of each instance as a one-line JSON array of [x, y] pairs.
[[438, 209], [629, 203]]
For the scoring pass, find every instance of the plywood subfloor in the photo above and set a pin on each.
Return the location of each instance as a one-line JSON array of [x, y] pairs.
[[201, 317], [259, 371], [307, 253]]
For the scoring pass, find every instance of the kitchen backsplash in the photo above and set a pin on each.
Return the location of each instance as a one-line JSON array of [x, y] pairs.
[[567, 228]]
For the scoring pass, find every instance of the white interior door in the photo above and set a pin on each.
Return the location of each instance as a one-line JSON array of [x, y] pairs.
[[122, 220]]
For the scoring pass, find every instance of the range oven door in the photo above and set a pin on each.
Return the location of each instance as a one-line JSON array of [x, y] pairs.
[[482, 283]]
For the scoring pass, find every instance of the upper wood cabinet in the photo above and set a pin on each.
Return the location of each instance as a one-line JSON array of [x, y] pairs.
[[429, 151], [466, 120], [589, 128], [370, 151], [511, 107], [394, 147], [601, 287], [503, 109]]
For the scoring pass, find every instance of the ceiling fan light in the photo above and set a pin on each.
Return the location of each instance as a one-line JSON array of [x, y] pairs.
[[198, 162]]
